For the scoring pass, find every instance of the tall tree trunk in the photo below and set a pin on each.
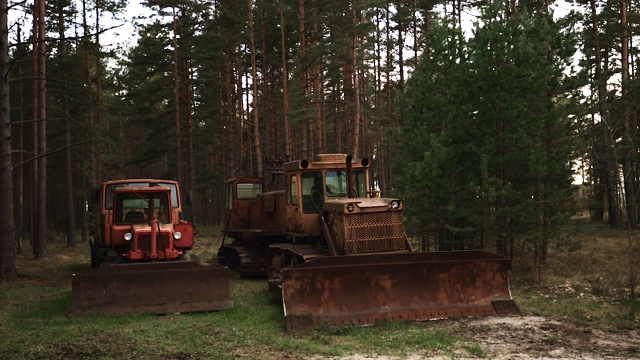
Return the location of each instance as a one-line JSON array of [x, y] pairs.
[[231, 121], [33, 138], [41, 203], [254, 87], [93, 173], [7, 243], [176, 98], [69, 206], [303, 74], [285, 86], [102, 125], [610, 163], [23, 171], [247, 129], [628, 149], [90, 179], [270, 145], [416, 37], [401, 41], [191, 171], [240, 115], [356, 85], [389, 91]]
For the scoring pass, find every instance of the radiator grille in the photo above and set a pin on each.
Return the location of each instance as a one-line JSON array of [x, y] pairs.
[[162, 241], [374, 232]]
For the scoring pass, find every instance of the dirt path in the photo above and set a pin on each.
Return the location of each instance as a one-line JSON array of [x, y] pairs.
[[531, 337]]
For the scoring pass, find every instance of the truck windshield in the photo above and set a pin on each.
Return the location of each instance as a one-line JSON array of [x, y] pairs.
[[132, 208], [108, 202]]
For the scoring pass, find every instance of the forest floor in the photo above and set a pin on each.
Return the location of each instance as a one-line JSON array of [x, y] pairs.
[[578, 305]]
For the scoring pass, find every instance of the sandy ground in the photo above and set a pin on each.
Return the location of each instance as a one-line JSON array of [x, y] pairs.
[[531, 337]]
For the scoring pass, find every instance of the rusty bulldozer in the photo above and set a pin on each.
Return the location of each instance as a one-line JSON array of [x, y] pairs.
[[139, 245], [337, 253]]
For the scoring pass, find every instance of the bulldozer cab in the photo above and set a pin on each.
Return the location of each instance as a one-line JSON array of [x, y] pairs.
[[103, 198], [239, 193], [320, 185], [312, 186]]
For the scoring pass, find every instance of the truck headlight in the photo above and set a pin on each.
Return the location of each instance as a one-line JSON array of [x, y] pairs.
[[128, 236], [350, 207], [177, 235], [395, 204]]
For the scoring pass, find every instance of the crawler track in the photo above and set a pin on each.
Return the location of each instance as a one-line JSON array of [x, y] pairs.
[[285, 255], [248, 261]]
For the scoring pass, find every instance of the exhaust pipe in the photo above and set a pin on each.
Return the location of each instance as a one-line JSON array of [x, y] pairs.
[[349, 177]]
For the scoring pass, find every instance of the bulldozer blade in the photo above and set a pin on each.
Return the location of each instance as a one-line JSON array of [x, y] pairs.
[[365, 289], [158, 287]]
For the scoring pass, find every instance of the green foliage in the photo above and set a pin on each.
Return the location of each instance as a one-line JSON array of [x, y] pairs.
[[486, 157]]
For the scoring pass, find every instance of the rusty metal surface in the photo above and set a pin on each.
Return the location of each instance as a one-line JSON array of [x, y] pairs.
[[159, 287], [367, 232], [364, 289]]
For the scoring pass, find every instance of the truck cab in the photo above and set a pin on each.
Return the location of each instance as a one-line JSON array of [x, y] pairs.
[[127, 215]]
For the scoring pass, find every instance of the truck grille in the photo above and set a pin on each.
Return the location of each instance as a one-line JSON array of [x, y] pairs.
[[162, 241], [374, 232]]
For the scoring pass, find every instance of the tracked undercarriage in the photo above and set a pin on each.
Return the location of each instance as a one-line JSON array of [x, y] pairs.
[[246, 260], [281, 256]]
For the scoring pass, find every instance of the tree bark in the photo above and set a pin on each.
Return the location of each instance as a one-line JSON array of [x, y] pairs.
[[176, 98], [69, 206], [39, 240], [254, 87], [356, 86], [610, 163], [93, 157], [7, 243], [303, 74], [285, 86], [628, 149]]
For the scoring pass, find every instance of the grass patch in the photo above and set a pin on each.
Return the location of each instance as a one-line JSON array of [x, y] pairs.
[[475, 350], [35, 324], [587, 278], [585, 281]]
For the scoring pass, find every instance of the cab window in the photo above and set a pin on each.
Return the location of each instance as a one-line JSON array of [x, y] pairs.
[[248, 191], [336, 181], [134, 209], [292, 191], [360, 182], [109, 192], [312, 192]]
